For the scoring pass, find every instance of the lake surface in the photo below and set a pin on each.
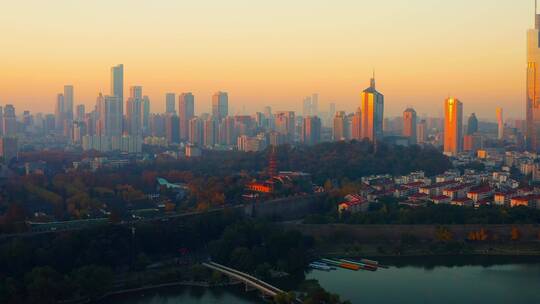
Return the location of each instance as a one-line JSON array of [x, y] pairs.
[[188, 295], [442, 280], [442, 284]]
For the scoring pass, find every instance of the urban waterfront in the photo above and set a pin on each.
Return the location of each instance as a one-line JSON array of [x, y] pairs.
[[413, 280]]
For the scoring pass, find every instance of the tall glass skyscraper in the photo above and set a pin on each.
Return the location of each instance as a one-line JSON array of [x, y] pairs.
[[220, 105], [117, 84], [533, 86], [453, 126], [372, 113]]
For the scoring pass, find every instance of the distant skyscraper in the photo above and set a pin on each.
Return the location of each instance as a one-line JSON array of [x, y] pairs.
[[8, 148], [68, 102], [60, 112], [340, 126], [285, 124], [1, 121], [117, 84], [421, 132], [135, 92], [80, 112], [145, 113], [186, 111], [533, 86], [500, 123], [196, 131], [409, 125], [227, 131], [110, 117], [372, 113], [10, 121], [311, 130], [211, 132], [472, 124], [172, 128], [220, 105], [356, 125], [170, 101], [453, 126]]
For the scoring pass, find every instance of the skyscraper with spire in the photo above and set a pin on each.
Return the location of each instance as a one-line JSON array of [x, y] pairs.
[[372, 103], [533, 85]]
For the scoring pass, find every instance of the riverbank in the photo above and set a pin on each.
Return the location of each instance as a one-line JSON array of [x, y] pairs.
[[339, 240]]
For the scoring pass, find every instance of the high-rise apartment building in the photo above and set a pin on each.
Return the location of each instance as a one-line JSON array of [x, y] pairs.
[[472, 124], [409, 124], [285, 124], [110, 116], [8, 148], [80, 112], [453, 126], [356, 124], [372, 113], [196, 131], [220, 105], [117, 85], [422, 132], [211, 132], [340, 126], [172, 128], [60, 112], [134, 109], [145, 114], [186, 111], [68, 102], [170, 101], [10, 121], [311, 130]]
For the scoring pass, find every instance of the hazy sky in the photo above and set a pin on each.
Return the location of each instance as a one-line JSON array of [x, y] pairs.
[[270, 52]]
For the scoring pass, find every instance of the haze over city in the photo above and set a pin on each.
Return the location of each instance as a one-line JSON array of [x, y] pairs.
[[272, 53]]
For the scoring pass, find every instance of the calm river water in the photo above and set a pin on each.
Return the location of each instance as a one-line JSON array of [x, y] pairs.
[[442, 280]]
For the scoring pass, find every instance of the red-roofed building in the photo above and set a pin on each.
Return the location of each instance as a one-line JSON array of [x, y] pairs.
[[503, 198], [353, 204], [457, 191], [440, 199], [480, 193], [464, 201], [532, 201], [437, 189]]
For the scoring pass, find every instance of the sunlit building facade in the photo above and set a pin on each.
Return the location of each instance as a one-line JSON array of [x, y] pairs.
[[533, 87], [409, 124], [372, 113], [453, 126]]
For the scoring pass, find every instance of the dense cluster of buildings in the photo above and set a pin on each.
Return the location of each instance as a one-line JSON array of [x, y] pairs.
[[493, 186]]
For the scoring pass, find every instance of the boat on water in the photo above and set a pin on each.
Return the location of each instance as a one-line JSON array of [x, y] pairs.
[[320, 266]]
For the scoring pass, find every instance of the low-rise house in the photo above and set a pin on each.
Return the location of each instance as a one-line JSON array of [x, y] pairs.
[[480, 193], [503, 198], [462, 202], [353, 203], [532, 201], [440, 199]]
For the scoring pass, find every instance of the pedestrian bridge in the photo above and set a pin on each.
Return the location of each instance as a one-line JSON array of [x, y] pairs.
[[250, 281]]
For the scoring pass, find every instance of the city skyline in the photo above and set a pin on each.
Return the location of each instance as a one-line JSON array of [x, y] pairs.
[[335, 68]]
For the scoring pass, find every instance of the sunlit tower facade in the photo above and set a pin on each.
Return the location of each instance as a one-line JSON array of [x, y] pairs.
[[409, 124], [372, 103], [500, 123], [533, 86], [453, 126]]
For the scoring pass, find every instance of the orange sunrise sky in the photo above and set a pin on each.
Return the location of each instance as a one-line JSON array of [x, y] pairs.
[[270, 52]]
